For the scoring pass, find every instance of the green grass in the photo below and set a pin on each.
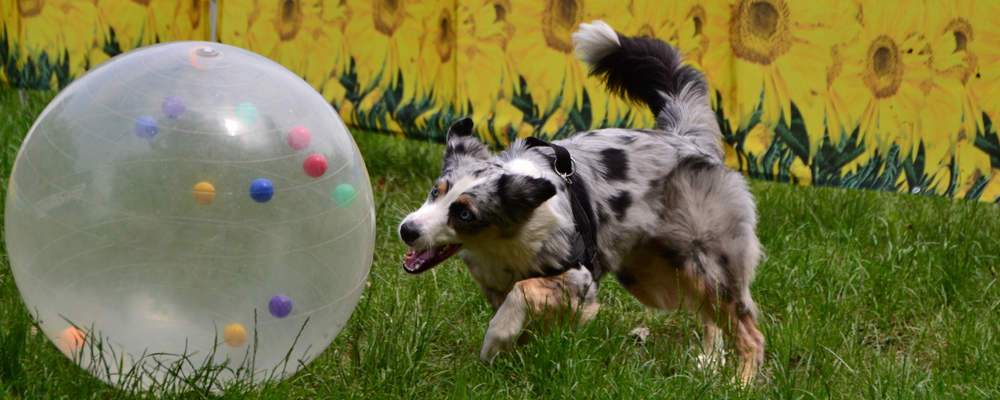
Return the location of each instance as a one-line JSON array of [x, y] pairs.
[[864, 294]]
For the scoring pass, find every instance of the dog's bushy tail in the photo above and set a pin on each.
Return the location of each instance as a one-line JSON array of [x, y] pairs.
[[649, 71]]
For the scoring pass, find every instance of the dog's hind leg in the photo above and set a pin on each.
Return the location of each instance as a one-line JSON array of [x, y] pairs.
[[572, 294]]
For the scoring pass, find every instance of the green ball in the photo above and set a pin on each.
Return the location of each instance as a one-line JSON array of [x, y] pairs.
[[247, 113], [344, 195]]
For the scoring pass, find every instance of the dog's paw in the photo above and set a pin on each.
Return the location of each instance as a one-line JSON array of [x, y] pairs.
[[711, 362], [493, 345]]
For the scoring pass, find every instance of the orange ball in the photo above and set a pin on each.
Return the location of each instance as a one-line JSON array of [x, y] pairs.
[[72, 338], [204, 193], [234, 335]]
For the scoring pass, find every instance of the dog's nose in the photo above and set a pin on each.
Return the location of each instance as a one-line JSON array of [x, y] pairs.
[[409, 232]]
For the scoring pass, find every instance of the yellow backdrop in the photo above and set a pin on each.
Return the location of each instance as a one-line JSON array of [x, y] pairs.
[[896, 95]]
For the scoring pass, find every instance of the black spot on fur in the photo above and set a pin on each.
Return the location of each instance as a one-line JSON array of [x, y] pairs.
[[615, 163], [626, 139], [642, 68], [620, 204], [602, 216], [696, 163], [625, 280]]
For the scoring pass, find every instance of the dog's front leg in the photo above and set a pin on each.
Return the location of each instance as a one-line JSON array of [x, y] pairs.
[[547, 297]]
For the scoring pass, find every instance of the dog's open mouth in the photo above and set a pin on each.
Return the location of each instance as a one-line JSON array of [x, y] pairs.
[[418, 261]]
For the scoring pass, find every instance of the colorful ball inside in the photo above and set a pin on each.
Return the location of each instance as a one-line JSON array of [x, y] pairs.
[[247, 113], [156, 205], [204, 193], [280, 306], [315, 165], [344, 195], [261, 190], [173, 106], [146, 128], [299, 137], [234, 335]]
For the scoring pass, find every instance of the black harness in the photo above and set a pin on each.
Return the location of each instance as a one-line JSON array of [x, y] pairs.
[[583, 213]]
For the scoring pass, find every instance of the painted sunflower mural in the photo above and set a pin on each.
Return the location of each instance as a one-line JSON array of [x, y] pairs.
[[44, 44], [896, 96]]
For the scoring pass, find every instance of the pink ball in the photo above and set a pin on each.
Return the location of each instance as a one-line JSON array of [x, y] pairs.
[[299, 138], [315, 165]]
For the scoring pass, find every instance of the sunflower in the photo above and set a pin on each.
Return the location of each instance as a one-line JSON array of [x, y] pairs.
[[488, 81], [55, 27], [973, 163], [758, 140], [133, 22], [384, 39], [183, 20], [984, 77], [438, 56], [288, 32], [766, 53], [884, 76], [546, 58], [334, 17], [955, 47]]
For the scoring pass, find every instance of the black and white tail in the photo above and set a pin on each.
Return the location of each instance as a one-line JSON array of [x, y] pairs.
[[649, 71]]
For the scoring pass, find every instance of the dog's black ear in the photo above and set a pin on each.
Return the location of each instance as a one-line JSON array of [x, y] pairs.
[[460, 128], [522, 193], [463, 143]]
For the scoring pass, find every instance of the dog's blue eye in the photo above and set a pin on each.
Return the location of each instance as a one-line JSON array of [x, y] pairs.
[[465, 215], [434, 193]]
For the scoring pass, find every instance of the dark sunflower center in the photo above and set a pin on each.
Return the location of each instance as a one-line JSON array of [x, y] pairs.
[[883, 60], [501, 13], [646, 31], [559, 19], [446, 37], [291, 19], [30, 8], [387, 15], [964, 35], [763, 19], [760, 31], [961, 41], [884, 68]]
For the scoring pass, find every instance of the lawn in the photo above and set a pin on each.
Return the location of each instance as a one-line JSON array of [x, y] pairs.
[[863, 294]]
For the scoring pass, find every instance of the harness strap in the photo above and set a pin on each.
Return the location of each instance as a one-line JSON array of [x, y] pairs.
[[579, 198]]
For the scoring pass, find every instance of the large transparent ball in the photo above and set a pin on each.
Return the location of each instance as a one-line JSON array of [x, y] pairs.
[[190, 208]]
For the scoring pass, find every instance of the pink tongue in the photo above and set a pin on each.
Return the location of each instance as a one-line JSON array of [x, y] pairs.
[[423, 255]]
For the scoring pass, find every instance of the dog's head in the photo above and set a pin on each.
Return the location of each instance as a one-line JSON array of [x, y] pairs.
[[474, 201]]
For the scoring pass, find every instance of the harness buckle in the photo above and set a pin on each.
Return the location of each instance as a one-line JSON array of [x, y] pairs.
[[565, 176]]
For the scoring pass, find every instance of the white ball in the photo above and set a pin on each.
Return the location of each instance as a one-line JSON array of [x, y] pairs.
[[192, 201]]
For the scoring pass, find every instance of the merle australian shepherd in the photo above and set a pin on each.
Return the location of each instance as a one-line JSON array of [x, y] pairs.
[[673, 224]]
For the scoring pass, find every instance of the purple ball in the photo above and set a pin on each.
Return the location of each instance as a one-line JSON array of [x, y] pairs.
[[280, 306], [173, 106]]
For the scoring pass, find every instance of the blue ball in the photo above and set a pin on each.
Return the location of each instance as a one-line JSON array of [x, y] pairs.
[[145, 128], [261, 190]]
